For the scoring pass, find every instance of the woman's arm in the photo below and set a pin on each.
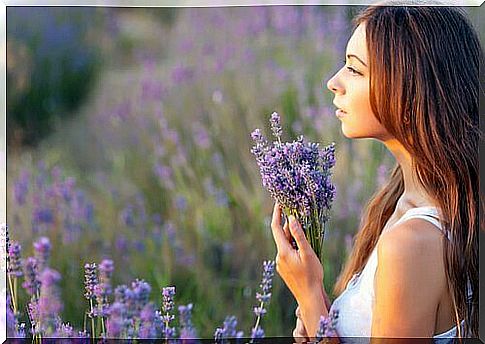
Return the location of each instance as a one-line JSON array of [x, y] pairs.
[[300, 269]]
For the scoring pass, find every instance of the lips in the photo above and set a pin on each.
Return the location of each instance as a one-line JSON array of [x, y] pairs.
[[339, 108], [339, 112]]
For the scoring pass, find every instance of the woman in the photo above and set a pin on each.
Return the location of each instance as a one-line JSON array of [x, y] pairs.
[[411, 82]]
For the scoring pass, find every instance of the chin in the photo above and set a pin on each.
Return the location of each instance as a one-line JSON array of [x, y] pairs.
[[352, 134]]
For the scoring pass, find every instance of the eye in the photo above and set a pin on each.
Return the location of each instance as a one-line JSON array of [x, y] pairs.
[[352, 70]]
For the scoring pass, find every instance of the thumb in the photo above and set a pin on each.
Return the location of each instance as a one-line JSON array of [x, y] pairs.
[[299, 235]]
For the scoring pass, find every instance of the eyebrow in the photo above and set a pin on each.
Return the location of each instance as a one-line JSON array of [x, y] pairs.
[[352, 55]]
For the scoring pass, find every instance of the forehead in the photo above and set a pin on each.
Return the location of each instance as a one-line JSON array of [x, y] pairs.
[[357, 43]]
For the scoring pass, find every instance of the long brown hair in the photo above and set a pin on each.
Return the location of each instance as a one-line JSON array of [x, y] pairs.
[[424, 89]]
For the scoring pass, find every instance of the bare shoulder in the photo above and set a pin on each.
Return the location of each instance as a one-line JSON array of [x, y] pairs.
[[409, 280], [413, 238], [414, 251]]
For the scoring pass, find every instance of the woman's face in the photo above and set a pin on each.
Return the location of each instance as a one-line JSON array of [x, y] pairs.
[[351, 88]]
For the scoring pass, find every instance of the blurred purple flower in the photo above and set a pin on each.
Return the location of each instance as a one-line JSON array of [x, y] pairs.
[[327, 326], [187, 329], [49, 304], [31, 278], [182, 74], [42, 251]]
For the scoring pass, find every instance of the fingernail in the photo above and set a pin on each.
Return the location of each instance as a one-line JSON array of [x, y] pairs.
[[291, 218]]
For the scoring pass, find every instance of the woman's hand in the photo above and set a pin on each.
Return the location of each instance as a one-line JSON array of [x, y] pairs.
[[300, 269]]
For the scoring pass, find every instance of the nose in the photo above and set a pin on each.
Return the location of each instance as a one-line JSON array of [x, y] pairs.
[[334, 85]]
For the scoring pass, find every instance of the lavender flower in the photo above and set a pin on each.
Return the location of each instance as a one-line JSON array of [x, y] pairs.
[[103, 289], [297, 176], [42, 249], [257, 332], [187, 329], [31, 279], [140, 294], [149, 322], [116, 324], [14, 267], [167, 306], [228, 330], [65, 331], [263, 298], [327, 326], [90, 280], [106, 268], [167, 298], [49, 305], [275, 121]]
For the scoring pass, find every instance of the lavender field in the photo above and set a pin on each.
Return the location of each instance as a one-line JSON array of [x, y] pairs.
[[150, 176]]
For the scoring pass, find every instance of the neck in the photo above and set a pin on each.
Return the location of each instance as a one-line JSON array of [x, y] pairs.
[[414, 194]]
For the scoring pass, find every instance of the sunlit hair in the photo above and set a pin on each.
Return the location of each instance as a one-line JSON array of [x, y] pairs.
[[424, 89]]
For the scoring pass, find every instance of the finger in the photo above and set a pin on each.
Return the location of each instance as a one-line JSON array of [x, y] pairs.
[[298, 312], [286, 230], [278, 234], [297, 233], [300, 327], [299, 333]]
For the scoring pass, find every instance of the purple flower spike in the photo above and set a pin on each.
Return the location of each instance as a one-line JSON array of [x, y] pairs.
[[31, 283], [49, 304], [167, 297], [327, 326], [257, 332], [90, 280], [276, 125], [187, 329], [106, 268], [228, 330], [14, 267], [167, 306]]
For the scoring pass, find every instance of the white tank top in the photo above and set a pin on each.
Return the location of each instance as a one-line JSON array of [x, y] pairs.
[[354, 304]]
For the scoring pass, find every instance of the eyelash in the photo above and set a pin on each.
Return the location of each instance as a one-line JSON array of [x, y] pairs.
[[352, 70]]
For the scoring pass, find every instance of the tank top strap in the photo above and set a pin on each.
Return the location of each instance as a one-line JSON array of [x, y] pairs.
[[427, 213]]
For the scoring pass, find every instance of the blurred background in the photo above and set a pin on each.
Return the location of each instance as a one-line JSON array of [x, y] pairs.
[[128, 133]]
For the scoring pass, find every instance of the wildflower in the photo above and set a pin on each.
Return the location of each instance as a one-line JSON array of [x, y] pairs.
[[116, 324], [167, 306], [140, 294], [276, 125], [263, 298], [65, 330], [90, 280], [187, 329], [149, 322], [103, 289], [42, 249], [31, 279], [257, 332], [14, 265], [49, 304], [228, 330], [327, 326]]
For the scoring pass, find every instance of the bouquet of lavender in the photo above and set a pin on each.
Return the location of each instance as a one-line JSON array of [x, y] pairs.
[[297, 176]]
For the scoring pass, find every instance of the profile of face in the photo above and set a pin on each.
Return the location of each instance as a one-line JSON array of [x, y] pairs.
[[351, 88]]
